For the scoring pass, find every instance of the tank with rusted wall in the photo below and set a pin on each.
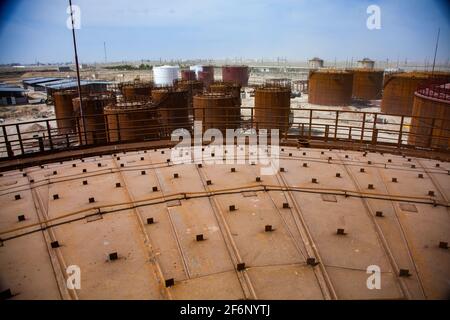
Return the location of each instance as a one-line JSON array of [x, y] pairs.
[[173, 108], [193, 87], [430, 122], [188, 75], [132, 121], [236, 74], [330, 87], [137, 89], [64, 112], [217, 110], [231, 88], [398, 92], [93, 128], [206, 77], [272, 107], [367, 84]]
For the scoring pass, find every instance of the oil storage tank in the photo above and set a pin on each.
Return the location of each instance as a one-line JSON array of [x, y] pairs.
[[193, 87], [398, 92], [188, 75], [136, 89], [367, 84], [93, 128], [64, 112], [236, 74], [330, 87], [165, 75], [430, 122], [231, 88], [272, 107], [132, 121], [173, 108], [206, 75], [217, 110]]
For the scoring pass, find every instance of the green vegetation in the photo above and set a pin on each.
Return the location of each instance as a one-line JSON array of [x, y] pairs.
[[128, 67]]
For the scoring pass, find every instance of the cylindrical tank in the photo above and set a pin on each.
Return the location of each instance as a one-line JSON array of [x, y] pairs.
[[64, 111], [173, 108], [398, 92], [430, 122], [132, 121], [217, 110], [165, 75], [136, 89], [231, 88], [205, 68], [236, 74], [193, 87], [330, 87], [93, 128], [315, 63], [206, 77], [366, 63], [367, 84], [188, 75], [272, 107]]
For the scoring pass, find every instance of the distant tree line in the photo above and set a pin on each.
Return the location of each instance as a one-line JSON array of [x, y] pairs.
[[127, 67]]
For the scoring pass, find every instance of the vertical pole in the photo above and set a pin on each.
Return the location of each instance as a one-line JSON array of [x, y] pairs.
[[401, 131], [19, 136], [435, 50], [77, 65]]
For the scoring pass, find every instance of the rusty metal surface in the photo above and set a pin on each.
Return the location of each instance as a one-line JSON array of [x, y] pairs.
[[272, 107], [173, 108], [330, 87], [398, 92], [131, 121], [430, 132], [236, 74], [136, 89], [406, 237], [188, 75], [217, 110], [95, 122], [367, 84], [64, 112]]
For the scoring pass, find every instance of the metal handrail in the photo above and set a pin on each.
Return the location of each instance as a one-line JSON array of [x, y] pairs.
[[312, 124]]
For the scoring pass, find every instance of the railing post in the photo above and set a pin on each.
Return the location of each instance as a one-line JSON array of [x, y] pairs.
[[374, 136], [118, 127], [327, 129], [310, 123], [49, 131], [400, 133], [9, 150], [336, 125], [41, 144], [363, 126], [80, 137], [19, 136], [108, 137]]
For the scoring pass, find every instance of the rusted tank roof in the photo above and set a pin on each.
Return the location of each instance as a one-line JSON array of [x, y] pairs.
[[140, 227]]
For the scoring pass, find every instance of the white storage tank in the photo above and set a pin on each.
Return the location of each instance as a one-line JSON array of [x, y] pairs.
[[165, 75], [366, 63]]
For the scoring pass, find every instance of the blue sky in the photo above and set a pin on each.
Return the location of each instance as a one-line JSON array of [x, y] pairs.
[[35, 30]]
